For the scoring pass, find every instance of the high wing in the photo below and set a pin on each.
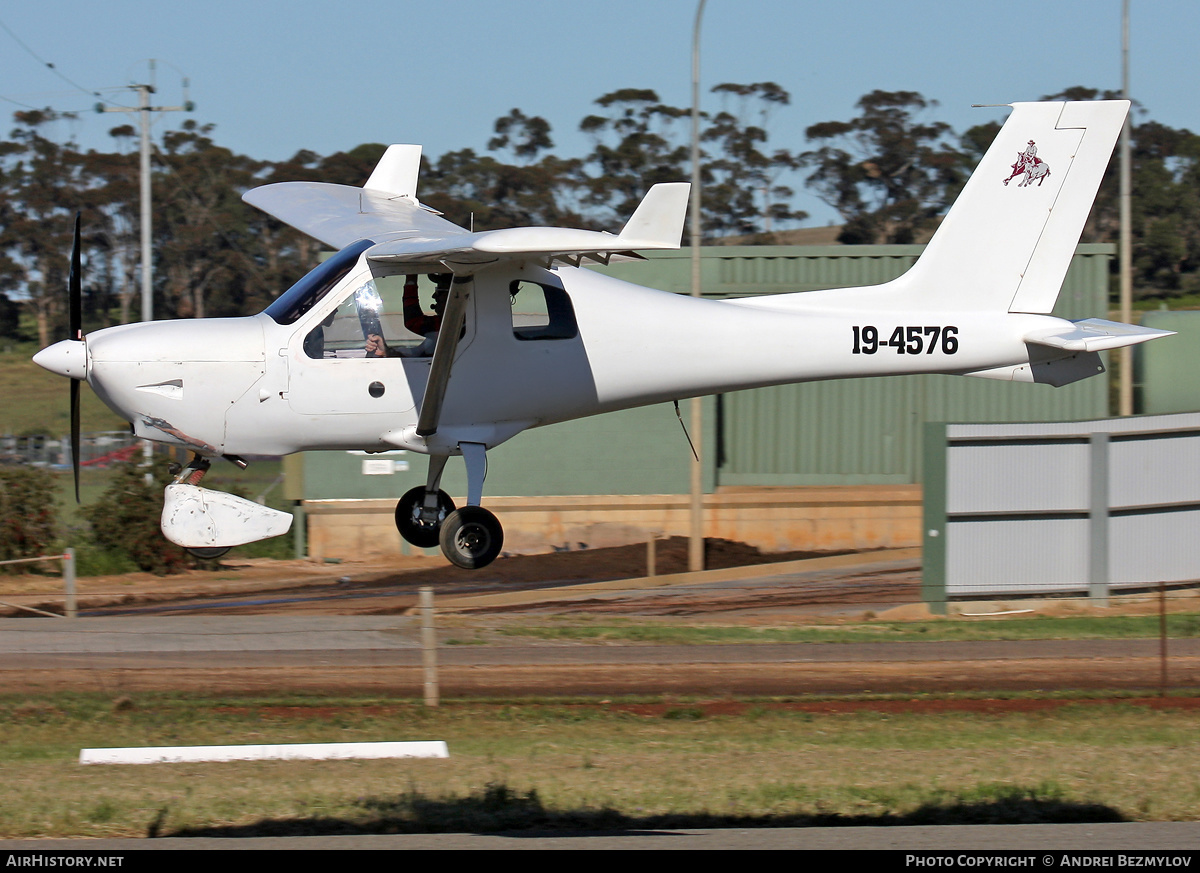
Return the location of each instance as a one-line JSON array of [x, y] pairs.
[[387, 211], [339, 215], [656, 224]]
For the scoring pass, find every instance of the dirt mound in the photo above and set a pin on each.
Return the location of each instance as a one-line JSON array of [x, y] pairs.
[[598, 565], [342, 587]]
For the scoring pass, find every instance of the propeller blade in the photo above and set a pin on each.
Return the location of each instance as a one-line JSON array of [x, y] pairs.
[[75, 434], [75, 325], [75, 288]]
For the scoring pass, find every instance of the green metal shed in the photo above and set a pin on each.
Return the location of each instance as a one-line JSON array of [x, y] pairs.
[[1164, 372]]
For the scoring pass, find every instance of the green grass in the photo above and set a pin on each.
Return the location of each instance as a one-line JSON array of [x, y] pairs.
[[37, 401], [949, 629], [522, 765], [1147, 304]]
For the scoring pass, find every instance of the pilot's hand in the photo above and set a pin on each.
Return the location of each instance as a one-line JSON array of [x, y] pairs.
[[376, 347]]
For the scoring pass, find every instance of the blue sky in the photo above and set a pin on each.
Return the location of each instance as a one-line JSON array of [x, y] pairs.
[[276, 77]]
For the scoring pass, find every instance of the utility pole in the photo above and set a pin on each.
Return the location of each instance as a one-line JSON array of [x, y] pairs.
[[1125, 405], [144, 109], [696, 534]]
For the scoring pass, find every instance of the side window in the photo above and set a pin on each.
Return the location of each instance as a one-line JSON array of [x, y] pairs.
[[374, 307], [541, 312]]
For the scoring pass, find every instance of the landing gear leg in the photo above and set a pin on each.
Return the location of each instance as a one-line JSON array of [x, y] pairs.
[[191, 475], [421, 511], [471, 537]]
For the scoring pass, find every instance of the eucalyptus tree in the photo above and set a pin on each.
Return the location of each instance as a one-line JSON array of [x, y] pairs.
[[889, 172], [204, 245], [44, 185], [742, 189]]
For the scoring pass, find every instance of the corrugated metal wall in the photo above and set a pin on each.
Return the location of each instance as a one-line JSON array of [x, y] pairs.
[[637, 451], [1078, 507]]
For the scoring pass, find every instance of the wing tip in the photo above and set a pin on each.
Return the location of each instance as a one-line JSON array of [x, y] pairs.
[[397, 171], [658, 221]]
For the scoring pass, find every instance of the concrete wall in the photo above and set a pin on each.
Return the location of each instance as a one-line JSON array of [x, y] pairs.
[[772, 519]]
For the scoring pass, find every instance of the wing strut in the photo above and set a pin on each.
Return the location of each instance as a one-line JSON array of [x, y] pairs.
[[443, 356]]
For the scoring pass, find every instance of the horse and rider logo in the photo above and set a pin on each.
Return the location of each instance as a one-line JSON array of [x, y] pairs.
[[1028, 164]]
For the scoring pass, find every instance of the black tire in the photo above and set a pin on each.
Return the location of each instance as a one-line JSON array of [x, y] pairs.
[[408, 518], [471, 537], [209, 554]]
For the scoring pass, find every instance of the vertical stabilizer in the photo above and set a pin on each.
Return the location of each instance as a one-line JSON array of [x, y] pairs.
[[1009, 238]]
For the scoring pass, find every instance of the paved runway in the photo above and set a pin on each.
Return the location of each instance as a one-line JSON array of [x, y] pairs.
[[1031, 841], [395, 640]]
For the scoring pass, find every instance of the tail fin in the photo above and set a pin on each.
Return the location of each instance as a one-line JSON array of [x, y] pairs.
[[1009, 238]]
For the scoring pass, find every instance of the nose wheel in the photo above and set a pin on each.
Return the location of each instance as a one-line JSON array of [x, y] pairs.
[[418, 524], [471, 537], [208, 554]]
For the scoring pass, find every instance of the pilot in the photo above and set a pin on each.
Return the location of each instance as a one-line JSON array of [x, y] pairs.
[[314, 343], [416, 320]]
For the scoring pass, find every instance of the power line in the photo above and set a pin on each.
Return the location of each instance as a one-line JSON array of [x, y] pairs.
[[18, 103], [51, 67]]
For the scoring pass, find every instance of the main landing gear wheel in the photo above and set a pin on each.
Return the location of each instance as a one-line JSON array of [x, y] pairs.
[[471, 537], [422, 534]]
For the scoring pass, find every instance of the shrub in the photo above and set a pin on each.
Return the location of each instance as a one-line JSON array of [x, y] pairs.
[[125, 520], [28, 515]]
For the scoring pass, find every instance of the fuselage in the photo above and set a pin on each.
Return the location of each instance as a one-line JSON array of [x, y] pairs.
[[252, 385]]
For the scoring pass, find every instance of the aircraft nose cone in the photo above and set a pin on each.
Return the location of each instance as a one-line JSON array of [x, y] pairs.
[[66, 358]]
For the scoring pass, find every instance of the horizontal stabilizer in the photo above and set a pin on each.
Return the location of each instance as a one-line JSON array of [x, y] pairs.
[[1094, 335]]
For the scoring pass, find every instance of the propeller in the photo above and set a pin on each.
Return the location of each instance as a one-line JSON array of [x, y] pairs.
[[75, 326]]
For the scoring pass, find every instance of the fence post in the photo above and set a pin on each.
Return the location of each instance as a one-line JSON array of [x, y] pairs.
[[429, 647], [69, 583], [1162, 639], [1098, 570], [934, 538]]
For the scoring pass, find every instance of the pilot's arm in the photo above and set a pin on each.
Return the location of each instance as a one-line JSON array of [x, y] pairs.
[[415, 319]]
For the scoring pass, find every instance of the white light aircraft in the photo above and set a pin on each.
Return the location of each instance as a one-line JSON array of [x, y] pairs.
[[522, 336]]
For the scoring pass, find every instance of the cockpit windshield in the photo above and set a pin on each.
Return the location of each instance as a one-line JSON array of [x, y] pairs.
[[306, 293]]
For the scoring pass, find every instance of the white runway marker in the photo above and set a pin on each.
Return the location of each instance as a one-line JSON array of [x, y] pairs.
[[281, 752]]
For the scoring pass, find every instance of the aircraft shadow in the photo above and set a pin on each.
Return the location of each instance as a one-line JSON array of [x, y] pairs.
[[499, 809]]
